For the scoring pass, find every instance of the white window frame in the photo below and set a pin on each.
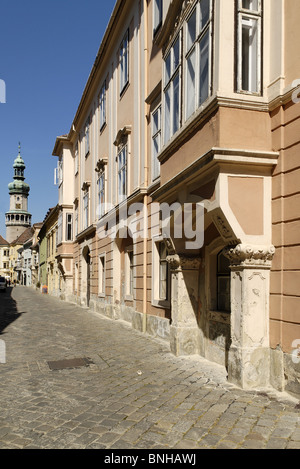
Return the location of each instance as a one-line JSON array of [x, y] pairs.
[[122, 160], [129, 273], [157, 300], [157, 15], [69, 225], [102, 106], [156, 130], [85, 212], [245, 17], [193, 48], [76, 153], [124, 62], [101, 275], [59, 229], [170, 78], [58, 173], [76, 277], [101, 195], [87, 136]]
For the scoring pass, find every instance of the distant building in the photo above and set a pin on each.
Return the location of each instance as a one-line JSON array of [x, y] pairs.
[[18, 219], [4, 258], [49, 278]]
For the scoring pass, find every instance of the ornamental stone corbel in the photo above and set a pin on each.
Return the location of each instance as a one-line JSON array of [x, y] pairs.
[[100, 165], [180, 262], [250, 256]]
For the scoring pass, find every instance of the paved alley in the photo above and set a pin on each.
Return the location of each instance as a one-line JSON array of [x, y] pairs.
[[74, 379]]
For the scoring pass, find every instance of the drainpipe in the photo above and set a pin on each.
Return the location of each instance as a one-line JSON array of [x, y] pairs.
[[145, 164]]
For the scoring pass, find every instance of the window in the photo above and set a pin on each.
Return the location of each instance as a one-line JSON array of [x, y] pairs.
[[124, 62], [59, 229], [58, 173], [161, 275], [249, 42], [76, 277], [87, 137], [101, 195], [101, 276], [122, 173], [76, 221], [76, 159], [223, 282], [197, 58], [69, 227], [172, 68], [102, 106], [86, 210], [156, 142], [163, 272], [157, 15], [129, 274]]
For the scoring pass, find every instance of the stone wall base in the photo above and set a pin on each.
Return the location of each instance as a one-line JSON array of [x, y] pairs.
[[249, 368]]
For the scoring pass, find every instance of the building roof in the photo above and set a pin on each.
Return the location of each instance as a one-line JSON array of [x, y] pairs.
[[24, 237], [3, 242]]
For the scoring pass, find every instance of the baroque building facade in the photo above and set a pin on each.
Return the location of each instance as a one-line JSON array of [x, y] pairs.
[[178, 183]]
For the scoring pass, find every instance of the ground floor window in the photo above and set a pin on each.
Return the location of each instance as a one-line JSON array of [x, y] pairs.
[[223, 282]]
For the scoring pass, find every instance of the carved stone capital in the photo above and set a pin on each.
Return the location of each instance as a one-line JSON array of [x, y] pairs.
[[179, 262], [248, 255]]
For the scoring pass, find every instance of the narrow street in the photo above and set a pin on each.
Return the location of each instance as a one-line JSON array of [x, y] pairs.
[[124, 390]]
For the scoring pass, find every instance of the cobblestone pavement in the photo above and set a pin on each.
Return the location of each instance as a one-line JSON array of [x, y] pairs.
[[135, 394]]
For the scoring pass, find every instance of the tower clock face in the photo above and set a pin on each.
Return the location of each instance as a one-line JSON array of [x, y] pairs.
[[18, 207]]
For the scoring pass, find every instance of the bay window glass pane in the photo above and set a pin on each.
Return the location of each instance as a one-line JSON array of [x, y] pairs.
[[204, 68], [176, 56], [191, 30], [250, 5], [249, 55], [204, 7], [167, 129], [176, 104], [168, 68], [191, 84]]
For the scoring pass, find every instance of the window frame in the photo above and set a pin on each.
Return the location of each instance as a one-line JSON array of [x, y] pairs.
[[69, 227], [101, 195], [155, 169], [124, 62], [201, 31], [122, 171], [102, 107], [157, 299], [87, 141], [157, 15], [101, 275], [129, 273], [85, 211], [254, 15], [168, 84]]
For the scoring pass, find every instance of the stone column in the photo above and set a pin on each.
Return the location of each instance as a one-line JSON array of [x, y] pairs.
[[184, 331], [249, 354]]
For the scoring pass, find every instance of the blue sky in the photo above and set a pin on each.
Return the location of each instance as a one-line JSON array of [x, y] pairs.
[[47, 50]]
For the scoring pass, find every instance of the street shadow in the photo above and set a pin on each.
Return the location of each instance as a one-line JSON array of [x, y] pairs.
[[8, 309]]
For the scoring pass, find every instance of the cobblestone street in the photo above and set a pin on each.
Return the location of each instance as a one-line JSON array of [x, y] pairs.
[[131, 393]]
